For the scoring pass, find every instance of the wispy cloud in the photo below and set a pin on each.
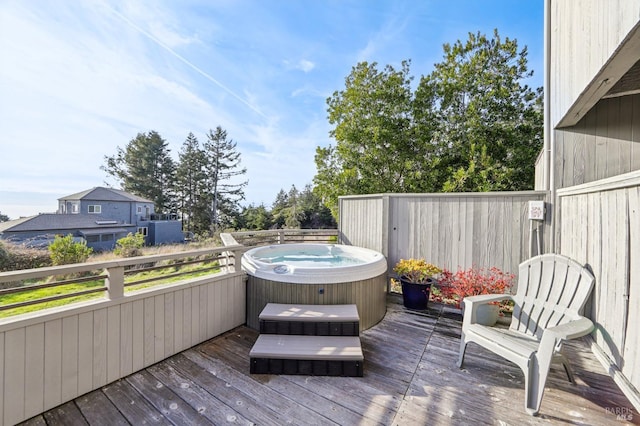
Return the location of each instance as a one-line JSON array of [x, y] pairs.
[[305, 65], [186, 61], [78, 79]]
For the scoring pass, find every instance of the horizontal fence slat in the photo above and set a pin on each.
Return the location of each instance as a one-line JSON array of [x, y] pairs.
[[51, 298], [52, 284]]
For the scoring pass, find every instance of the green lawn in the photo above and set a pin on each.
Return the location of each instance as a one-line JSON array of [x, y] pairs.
[[191, 271]]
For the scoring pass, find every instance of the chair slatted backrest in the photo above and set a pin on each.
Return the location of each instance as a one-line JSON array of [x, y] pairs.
[[552, 290]]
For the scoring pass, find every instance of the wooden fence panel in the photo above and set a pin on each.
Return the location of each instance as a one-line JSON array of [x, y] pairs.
[[449, 230], [600, 226]]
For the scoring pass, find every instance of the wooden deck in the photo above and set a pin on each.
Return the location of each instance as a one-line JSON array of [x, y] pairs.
[[410, 378]]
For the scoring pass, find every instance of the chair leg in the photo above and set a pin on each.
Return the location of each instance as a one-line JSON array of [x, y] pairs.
[[567, 368], [463, 347], [535, 379]]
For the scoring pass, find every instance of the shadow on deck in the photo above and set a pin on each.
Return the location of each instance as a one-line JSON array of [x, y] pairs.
[[410, 377]]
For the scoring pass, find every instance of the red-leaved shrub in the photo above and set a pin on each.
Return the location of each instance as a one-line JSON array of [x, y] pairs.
[[456, 286]]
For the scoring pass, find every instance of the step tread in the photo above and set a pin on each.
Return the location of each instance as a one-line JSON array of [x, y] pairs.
[[307, 347], [304, 313]]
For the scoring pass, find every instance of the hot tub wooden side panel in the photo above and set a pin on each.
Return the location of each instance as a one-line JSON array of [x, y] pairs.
[[369, 296]]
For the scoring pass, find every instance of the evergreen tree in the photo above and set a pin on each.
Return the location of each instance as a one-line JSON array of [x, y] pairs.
[[488, 124], [145, 168], [294, 213], [223, 168], [471, 125], [315, 214], [279, 209], [256, 218], [191, 180]]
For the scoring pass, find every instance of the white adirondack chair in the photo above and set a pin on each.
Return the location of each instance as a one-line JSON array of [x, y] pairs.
[[552, 290]]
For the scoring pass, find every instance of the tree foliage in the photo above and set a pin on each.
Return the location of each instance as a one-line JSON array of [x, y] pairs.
[[470, 125], [145, 168], [203, 185], [489, 128], [192, 187], [293, 209], [223, 166], [4, 217]]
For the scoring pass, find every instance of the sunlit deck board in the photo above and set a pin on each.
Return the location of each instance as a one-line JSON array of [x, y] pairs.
[[410, 377]]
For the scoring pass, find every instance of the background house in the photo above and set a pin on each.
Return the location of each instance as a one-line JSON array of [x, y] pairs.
[[98, 215]]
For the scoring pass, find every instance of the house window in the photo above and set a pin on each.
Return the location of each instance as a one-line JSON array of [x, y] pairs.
[[92, 238], [139, 209], [74, 208], [61, 207], [143, 230], [95, 209], [107, 237]]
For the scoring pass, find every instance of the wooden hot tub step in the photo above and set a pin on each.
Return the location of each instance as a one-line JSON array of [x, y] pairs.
[[308, 355], [310, 320]]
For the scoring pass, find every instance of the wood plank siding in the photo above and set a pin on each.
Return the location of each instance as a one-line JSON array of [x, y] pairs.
[[449, 230], [47, 359], [585, 34], [600, 226], [410, 378], [605, 143]]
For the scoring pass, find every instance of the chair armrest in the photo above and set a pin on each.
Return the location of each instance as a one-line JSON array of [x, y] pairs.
[[485, 298], [573, 329]]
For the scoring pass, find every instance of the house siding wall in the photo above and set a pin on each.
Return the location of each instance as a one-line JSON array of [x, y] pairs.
[[115, 210], [605, 143], [584, 35], [597, 163], [165, 232]]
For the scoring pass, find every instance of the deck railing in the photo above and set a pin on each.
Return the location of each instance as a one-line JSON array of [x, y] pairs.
[[54, 355], [284, 236]]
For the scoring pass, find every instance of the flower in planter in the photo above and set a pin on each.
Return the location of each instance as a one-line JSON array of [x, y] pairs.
[[416, 270], [456, 286]]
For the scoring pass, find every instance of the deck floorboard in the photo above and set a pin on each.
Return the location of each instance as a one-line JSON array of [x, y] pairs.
[[410, 377]]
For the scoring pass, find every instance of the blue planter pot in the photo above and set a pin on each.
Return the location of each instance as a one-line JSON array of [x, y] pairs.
[[416, 296]]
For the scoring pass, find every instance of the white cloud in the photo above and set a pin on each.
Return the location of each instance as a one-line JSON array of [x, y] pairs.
[[305, 65]]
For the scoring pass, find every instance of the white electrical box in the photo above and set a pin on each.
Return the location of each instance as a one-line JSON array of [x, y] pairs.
[[536, 210]]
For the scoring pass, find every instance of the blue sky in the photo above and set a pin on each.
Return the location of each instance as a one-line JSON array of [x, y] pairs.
[[80, 78]]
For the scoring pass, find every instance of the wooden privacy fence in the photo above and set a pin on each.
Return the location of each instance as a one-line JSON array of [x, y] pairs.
[[450, 230], [599, 225]]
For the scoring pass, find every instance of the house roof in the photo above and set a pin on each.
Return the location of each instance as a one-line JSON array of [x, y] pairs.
[[100, 193], [59, 222]]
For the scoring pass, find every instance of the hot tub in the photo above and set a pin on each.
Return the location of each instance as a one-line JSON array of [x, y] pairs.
[[317, 274]]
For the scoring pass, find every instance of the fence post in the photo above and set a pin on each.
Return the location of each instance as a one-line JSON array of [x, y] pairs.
[[237, 260], [115, 282], [280, 237]]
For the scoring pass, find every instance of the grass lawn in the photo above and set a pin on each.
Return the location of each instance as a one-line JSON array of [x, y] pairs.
[[151, 278]]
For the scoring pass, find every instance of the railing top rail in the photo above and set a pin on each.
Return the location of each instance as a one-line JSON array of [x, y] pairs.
[[278, 231], [446, 195], [26, 274]]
